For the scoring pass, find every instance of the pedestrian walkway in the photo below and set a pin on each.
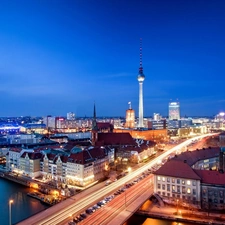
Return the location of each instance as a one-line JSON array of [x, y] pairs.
[[181, 214]]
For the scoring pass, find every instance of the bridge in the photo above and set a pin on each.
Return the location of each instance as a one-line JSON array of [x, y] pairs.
[[116, 211]]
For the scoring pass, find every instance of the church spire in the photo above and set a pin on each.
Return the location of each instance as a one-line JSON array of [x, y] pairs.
[[94, 132]]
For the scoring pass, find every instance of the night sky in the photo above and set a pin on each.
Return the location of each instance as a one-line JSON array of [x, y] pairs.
[[62, 56]]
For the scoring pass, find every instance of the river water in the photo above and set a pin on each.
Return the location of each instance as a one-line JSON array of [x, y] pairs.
[[23, 206]]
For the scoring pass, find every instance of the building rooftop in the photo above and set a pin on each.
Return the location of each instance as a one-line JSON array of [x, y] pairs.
[[175, 168], [191, 157], [211, 177], [181, 166], [116, 139]]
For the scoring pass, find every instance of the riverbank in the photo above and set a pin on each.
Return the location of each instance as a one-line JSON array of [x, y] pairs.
[[43, 192], [47, 199], [168, 212]]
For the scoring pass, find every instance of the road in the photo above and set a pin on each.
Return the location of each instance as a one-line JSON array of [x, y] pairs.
[[58, 214]]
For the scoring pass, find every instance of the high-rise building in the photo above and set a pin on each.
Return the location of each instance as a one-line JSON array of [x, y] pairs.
[[141, 78], [156, 116], [174, 111], [130, 117], [70, 116]]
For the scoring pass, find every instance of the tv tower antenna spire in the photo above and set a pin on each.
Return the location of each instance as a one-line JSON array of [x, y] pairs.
[[141, 67]]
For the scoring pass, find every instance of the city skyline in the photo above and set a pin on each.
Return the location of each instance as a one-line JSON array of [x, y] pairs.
[[62, 56]]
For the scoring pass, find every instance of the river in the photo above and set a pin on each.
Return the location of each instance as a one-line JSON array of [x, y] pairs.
[[23, 206]]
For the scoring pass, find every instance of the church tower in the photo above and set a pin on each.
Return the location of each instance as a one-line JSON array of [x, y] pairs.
[[94, 131]]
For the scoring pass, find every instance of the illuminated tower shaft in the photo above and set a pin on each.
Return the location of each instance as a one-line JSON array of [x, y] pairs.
[[141, 78], [141, 123]]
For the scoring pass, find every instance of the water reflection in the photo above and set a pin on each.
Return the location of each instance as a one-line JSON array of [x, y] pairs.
[[23, 206]]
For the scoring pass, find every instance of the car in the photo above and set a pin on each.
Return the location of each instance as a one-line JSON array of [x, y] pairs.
[[89, 211], [76, 220], [84, 215], [95, 207], [100, 203]]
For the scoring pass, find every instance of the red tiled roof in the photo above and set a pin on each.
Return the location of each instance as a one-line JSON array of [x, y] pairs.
[[211, 177], [32, 155], [87, 155], [116, 139], [175, 168], [16, 149], [104, 125], [64, 158], [192, 157]]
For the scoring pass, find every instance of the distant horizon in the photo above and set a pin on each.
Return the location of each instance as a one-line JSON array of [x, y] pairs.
[[108, 117]]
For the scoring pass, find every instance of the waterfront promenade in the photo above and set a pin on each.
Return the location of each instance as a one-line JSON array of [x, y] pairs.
[[172, 213]]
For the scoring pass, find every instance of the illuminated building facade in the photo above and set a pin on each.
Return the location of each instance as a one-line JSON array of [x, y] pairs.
[[70, 116], [200, 183], [130, 117], [174, 111]]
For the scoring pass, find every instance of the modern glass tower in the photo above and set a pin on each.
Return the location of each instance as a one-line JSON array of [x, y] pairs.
[[141, 78], [174, 111]]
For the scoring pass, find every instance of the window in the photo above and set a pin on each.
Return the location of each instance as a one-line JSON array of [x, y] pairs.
[[188, 182], [178, 189], [183, 190], [168, 187], [163, 179], [168, 194], [189, 190], [194, 183], [168, 179], [194, 191], [173, 188], [159, 178], [173, 180], [178, 181], [204, 191], [163, 187], [159, 186], [183, 181]]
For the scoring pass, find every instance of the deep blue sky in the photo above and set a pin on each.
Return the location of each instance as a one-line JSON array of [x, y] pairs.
[[62, 56]]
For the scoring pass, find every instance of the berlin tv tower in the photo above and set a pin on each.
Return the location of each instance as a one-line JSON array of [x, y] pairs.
[[141, 78]]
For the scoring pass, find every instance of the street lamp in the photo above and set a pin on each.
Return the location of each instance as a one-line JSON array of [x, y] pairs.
[[10, 216]]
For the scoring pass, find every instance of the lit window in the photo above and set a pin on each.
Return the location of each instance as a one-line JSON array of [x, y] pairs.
[[189, 190], [173, 188], [159, 178], [188, 182], [163, 179], [183, 181]]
